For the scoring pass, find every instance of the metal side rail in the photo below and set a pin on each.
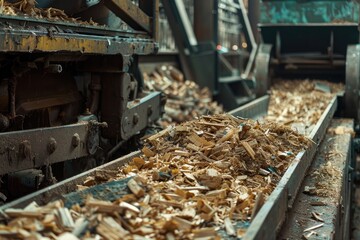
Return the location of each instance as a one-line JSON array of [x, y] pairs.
[[255, 109], [274, 209], [58, 190], [331, 203], [272, 214]]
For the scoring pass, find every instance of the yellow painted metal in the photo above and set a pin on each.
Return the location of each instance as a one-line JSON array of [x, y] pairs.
[[55, 44], [32, 43]]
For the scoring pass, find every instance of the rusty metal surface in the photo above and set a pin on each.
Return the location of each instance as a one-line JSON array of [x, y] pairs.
[[127, 115], [20, 150], [8, 23], [275, 208], [130, 13], [335, 213], [30, 41], [57, 190]]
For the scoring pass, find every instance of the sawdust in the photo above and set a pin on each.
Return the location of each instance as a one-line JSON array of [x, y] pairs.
[[186, 100], [28, 8], [299, 104], [327, 180], [191, 180]]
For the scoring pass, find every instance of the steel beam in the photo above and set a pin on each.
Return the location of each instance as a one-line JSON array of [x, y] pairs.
[[20, 150], [130, 13], [18, 41]]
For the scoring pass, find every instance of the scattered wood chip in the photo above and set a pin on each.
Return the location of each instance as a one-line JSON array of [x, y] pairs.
[[314, 227], [229, 227], [135, 188], [317, 217]]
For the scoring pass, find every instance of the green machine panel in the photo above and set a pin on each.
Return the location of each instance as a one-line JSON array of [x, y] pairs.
[[295, 11]]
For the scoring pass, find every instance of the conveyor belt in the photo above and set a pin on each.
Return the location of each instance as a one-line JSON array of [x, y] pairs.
[[332, 206], [269, 219]]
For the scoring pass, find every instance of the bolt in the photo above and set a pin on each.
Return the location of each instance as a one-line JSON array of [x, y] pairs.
[[52, 144], [135, 118], [150, 111], [75, 141], [25, 149]]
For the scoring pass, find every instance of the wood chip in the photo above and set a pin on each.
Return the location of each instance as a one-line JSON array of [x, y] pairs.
[[147, 152], [130, 207], [11, 212], [199, 183], [67, 236], [65, 218], [135, 188], [204, 232], [102, 206], [229, 227], [314, 227], [259, 202], [248, 149], [182, 223], [317, 217], [186, 100]]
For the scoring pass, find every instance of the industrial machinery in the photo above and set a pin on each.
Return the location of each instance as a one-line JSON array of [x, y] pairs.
[[319, 41], [70, 87], [297, 40], [218, 33]]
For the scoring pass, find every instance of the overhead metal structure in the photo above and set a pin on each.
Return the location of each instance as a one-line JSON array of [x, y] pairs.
[[201, 44]]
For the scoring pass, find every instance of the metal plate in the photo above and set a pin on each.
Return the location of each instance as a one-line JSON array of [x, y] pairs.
[[27, 149], [352, 86], [57, 190], [261, 71], [255, 109], [23, 41], [336, 210], [32, 24]]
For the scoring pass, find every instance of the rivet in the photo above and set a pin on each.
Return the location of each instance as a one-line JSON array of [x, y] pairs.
[[75, 141], [52, 144]]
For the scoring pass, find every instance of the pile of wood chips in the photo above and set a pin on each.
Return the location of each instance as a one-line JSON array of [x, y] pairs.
[[186, 100], [28, 8], [300, 103], [191, 180]]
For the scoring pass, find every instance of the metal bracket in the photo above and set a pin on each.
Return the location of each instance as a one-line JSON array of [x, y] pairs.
[[261, 71], [352, 87], [27, 149]]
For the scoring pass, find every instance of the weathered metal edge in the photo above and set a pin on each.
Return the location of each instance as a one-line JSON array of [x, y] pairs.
[[336, 226], [254, 109], [282, 198], [55, 191]]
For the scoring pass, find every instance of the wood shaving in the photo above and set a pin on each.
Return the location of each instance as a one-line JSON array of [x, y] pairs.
[[186, 100], [340, 130], [327, 180], [191, 196], [298, 103], [28, 8]]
